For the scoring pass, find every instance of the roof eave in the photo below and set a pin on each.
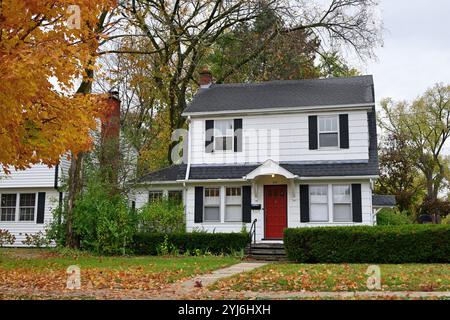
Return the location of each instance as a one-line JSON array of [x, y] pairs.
[[308, 109]]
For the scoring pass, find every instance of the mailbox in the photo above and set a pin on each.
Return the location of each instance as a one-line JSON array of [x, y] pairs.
[[256, 207]]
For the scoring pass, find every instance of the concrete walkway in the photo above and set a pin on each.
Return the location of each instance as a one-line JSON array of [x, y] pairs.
[[208, 279]]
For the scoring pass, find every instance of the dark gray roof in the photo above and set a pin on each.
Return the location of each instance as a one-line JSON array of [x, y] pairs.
[[283, 94], [172, 173], [383, 201], [320, 169]]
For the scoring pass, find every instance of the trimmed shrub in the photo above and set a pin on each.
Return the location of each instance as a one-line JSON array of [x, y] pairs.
[[196, 242], [365, 244], [388, 216]]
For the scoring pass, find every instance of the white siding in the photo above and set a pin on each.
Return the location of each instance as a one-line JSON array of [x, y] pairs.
[[293, 208], [281, 138], [37, 176], [19, 229]]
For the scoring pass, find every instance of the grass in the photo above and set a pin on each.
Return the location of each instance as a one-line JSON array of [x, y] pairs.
[[46, 269], [339, 277]]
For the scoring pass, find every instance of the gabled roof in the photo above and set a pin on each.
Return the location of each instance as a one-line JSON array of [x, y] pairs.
[[381, 201], [283, 94]]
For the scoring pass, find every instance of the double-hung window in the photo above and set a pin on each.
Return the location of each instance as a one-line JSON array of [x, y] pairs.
[[328, 131], [233, 205], [318, 198], [175, 196], [155, 196], [342, 203], [212, 205], [27, 204], [8, 207], [224, 135]]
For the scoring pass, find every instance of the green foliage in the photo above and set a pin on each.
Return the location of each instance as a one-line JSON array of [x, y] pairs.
[[162, 216], [6, 238], [103, 221], [196, 243], [446, 220], [389, 216], [381, 244]]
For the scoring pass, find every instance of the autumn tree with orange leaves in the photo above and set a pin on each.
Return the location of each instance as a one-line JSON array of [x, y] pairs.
[[46, 47]]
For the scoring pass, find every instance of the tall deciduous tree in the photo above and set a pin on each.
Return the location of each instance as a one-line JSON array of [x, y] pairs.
[[180, 34], [44, 47], [425, 124]]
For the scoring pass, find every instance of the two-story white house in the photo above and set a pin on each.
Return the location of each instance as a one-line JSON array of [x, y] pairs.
[[281, 153]]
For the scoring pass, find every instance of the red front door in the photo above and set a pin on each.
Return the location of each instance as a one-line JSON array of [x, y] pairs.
[[275, 210]]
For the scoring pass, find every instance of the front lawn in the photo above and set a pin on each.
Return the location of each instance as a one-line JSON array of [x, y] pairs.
[[339, 277], [46, 269]]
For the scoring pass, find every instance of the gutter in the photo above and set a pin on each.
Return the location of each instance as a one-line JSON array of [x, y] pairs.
[[306, 109]]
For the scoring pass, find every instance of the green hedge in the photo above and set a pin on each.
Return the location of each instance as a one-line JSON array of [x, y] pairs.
[[380, 244], [215, 243], [387, 216]]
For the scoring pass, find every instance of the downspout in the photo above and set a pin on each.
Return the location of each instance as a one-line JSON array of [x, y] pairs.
[[188, 168]]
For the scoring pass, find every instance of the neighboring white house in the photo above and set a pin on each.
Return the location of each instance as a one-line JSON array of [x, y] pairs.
[[28, 198], [280, 154]]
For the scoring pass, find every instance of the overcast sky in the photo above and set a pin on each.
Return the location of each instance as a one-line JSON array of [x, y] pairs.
[[416, 52]]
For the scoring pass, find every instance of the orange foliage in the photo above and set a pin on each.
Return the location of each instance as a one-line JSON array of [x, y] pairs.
[[41, 58]]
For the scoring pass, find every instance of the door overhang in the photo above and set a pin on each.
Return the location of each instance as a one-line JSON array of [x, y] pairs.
[[272, 169]]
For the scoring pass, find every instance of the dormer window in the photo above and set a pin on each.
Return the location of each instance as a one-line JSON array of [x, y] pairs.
[[328, 132], [224, 135]]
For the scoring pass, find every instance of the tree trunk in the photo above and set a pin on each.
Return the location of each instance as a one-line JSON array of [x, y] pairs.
[[75, 186]]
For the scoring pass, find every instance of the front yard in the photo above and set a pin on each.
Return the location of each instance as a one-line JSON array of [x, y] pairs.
[[338, 277], [41, 274], [44, 271]]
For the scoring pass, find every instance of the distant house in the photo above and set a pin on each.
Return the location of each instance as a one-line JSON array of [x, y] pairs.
[[278, 154], [28, 197]]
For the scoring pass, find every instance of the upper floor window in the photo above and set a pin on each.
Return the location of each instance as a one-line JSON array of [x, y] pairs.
[[8, 207], [328, 131], [224, 135]]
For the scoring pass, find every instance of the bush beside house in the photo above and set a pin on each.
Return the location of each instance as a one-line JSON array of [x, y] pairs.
[[381, 244], [194, 243], [389, 216]]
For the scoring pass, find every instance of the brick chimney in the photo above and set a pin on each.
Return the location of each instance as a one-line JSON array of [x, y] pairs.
[[110, 137], [206, 78]]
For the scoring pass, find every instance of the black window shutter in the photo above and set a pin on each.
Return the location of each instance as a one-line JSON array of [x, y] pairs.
[[313, 138], [247, 204], [198, 214], [40, 208], [356, 203], [304, 203], [237, 135], [209, 136], [343, 131]]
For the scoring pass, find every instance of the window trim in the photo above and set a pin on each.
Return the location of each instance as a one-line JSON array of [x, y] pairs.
[[34, 207], [176, 190], [327, 204], [223, 136], [350, 203], [336, 116], [234, 205], [209, 206], [17, 208], [155, 191]]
